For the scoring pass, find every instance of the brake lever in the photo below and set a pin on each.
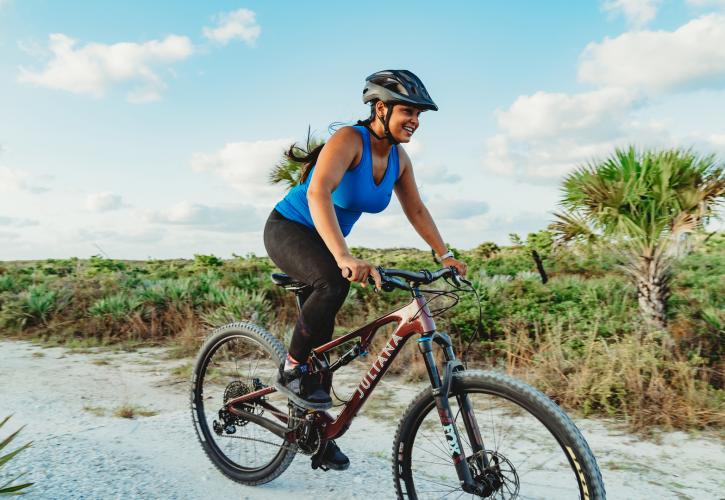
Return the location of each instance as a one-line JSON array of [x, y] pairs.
[[455, 277]]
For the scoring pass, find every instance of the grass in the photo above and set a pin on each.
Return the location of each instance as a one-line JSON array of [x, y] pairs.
[[127, 410], [578, 338], [183, 371], [95, 410], [636, 377]]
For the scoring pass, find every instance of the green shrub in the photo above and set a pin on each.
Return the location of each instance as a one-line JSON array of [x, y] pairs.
[[116, 306], [236, 305], [98, 265], [7, 283], [205, 261], [37, 304]]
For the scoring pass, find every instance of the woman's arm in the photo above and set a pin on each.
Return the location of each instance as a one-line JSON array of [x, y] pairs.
[[417, 213], [340, 152]]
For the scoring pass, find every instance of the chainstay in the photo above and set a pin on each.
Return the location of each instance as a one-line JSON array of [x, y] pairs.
[[288, 447]]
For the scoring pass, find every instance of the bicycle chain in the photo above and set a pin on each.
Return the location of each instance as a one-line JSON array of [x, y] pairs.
[[297, 420], [291, 448]]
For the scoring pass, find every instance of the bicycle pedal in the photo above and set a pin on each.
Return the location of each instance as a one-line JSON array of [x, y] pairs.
[[316, 464]]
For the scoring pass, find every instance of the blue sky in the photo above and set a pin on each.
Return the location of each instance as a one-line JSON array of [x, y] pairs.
[[143, 129]]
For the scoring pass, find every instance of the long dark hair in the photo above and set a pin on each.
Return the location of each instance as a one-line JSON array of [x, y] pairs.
[[308, 156], [305, 156]]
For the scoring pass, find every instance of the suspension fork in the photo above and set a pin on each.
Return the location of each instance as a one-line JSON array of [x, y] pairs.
[[441, 389]]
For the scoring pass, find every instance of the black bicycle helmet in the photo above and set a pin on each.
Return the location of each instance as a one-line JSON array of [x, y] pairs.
[[395, 86]]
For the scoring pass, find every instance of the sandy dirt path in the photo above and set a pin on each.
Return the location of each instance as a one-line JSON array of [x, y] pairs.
[[80, 450]]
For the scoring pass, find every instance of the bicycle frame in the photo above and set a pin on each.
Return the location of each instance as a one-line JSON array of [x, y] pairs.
[[413, 318]]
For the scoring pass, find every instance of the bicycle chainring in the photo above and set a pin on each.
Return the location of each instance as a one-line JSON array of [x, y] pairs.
[[309, 438]]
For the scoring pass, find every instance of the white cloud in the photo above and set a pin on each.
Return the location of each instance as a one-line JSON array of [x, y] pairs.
[[103, 202], [143, 235], [15, 180], [548, 115], [457, 209], [637, 12], [8, 236], [706, 3], [94, 67], [15, 222], [426, 172], [246, 166], [227, 218], [692, 56], [240, 25], [544, 136], [434, 174]]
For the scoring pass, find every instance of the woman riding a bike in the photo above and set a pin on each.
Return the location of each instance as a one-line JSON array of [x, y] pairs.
[[356, 171]]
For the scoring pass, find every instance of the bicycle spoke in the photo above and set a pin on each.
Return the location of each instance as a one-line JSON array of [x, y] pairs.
[[524, 454], [445, 453]]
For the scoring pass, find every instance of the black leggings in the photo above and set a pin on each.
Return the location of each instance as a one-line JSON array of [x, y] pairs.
[[301, 253]]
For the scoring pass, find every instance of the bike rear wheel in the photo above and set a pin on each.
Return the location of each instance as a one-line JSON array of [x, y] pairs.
[[239, 358], [534, 449]]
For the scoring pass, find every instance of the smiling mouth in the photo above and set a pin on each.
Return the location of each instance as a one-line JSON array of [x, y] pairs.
[[410, 130]]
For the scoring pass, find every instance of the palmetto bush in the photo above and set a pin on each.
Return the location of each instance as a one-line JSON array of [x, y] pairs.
[[6, 485], [7, 283], [165, 293], [642, 206], [234, 305], [38, 303], [116, 306]]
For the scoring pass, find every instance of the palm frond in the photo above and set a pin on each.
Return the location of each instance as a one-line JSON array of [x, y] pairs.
[[6, 488], [571, 227]]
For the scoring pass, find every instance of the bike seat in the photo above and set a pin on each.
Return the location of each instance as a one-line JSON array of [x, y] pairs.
[[287, 282]]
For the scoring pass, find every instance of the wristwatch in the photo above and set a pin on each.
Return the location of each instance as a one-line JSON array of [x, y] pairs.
[[446, 255]]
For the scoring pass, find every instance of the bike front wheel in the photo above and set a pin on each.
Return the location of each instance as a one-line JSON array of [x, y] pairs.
[[532, 447], [238, 359]]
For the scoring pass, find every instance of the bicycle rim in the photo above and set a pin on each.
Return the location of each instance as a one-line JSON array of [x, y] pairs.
[[526, 452], [236, 365]]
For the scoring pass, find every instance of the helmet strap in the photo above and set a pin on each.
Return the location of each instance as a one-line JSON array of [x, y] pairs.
[[368, 122], [386, 125]]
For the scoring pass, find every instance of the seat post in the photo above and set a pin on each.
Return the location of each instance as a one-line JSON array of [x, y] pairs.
[[301, 295]]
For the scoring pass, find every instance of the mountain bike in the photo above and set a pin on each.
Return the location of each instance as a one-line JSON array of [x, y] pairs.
[[472, 432]]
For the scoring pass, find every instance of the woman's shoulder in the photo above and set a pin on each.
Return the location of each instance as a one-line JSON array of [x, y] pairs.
[[348, 132], [347, 137]]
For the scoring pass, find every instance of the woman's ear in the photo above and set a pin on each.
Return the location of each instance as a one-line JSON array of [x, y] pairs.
[[380, 109]]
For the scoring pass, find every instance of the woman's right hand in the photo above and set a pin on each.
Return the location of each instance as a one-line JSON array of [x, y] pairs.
[[358, 270]]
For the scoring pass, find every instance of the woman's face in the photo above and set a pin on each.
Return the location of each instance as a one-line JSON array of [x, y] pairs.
[[403, 122]]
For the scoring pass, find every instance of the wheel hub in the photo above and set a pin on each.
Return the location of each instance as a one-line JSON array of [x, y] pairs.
[[499, 472]]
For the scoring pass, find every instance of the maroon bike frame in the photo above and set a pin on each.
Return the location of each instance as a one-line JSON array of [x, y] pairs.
[[412, 318]]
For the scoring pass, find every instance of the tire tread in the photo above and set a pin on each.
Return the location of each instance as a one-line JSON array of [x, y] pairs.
[[263, 336]]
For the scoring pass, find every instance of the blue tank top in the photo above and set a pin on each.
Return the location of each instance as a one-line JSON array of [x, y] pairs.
[[356, 193]]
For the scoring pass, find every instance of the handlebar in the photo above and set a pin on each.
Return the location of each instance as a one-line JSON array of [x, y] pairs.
[[391, 278]]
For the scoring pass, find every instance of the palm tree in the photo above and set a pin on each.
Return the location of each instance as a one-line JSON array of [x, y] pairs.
[[289, 171], [645, 204]]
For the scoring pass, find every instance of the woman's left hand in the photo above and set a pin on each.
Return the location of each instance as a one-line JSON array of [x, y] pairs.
[[460, 266]]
